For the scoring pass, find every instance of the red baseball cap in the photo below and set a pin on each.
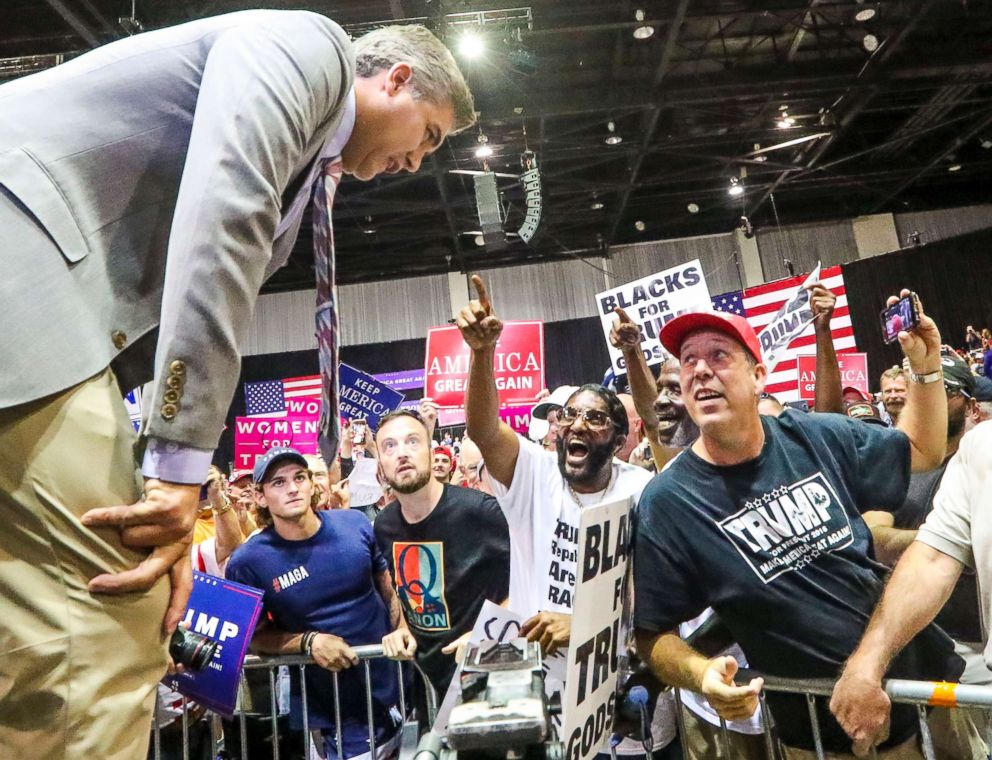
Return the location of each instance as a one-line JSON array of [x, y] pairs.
[[447, 452], [673, 333]]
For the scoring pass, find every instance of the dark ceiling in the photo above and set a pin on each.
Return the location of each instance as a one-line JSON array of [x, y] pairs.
[[906, 127]]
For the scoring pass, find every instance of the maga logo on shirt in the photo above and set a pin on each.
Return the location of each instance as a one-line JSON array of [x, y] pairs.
[[420, 583], [789, 527]]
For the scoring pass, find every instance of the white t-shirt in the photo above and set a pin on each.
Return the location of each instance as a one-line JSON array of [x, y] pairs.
[[959, 524], [543, 518]]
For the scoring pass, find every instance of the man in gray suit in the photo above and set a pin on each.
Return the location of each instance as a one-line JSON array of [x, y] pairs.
[[147, 189]]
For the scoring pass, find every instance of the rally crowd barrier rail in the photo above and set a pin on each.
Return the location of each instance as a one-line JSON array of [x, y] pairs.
[[923, 694], [409, 731]]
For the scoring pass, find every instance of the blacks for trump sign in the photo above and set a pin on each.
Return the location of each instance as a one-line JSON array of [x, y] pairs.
[[518, 365], [652, 302]]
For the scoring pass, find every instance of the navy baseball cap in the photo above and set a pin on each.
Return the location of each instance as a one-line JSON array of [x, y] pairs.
[[279, 454]]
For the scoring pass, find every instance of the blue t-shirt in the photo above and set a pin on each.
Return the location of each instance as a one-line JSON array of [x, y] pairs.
[[327, 583], [778, 548]]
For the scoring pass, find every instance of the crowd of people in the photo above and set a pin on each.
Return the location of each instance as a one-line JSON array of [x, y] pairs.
[[773, 526]]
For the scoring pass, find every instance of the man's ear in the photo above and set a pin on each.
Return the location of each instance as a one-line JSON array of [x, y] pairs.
[[618, 442], [760, 378], [398, 77]]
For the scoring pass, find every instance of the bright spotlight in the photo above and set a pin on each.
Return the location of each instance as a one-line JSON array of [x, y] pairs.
[[736, 188], [471, 45], [483, 151]]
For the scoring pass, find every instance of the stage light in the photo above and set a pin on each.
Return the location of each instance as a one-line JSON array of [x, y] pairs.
[[644, 31], [785, 121], [612, 138], [693, 208], [736, 188], [954, 168], [639, 225], [471, 45], [483, 151], [865, 14], [596, 205], [870, 43], [480, 241]]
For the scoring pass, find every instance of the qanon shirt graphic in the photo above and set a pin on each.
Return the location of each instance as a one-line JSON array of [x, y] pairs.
[[420, 583], [789, 527]]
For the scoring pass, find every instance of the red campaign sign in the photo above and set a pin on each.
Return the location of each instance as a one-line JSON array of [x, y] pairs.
[[518, 363], [853, 373], [253, 436], [517, 417]]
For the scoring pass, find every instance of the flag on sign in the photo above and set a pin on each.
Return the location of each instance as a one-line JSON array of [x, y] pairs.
[[281, 398], [760, 304]]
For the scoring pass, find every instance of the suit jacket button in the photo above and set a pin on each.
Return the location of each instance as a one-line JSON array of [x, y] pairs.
[[177, 367], [174, 381], [119, 338], [171, 396], [169, 411]]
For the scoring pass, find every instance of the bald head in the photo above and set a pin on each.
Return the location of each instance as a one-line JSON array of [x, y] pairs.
[[633, 423]]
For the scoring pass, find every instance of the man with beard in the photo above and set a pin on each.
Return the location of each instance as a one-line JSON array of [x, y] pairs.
[[543, 492], [658, 402], [447, 547], [893, 385]]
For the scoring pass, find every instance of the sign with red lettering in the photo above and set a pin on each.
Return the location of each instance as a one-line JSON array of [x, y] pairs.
[[253, 436], [853, 373], [518, 364]]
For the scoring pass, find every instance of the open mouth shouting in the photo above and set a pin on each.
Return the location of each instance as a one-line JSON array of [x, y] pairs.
[[707, 397]]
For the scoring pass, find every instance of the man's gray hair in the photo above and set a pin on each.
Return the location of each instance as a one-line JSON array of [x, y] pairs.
[[436, 76]]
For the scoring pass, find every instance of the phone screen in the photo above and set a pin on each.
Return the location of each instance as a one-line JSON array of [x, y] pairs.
[[898, 317]]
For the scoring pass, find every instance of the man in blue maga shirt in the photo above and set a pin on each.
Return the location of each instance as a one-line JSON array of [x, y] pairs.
[[327, 589]]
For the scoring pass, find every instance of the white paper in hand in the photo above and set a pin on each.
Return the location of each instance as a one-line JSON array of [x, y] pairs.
[[363, 485]]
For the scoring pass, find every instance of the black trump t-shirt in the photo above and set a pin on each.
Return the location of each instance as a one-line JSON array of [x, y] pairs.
[[444, 568], [778, 548]]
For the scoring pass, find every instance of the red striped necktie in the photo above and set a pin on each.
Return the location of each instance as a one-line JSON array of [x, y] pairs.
[[327, 311]]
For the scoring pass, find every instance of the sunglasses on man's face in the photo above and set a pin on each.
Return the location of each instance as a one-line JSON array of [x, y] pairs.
[[594, 418]]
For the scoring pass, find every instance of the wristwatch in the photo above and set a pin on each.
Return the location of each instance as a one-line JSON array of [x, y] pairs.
[[930, 377]]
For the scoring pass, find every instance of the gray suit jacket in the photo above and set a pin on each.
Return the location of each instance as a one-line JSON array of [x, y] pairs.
[[141, 186]]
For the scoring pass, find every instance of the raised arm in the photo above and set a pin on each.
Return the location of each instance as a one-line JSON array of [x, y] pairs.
[[924, 418], [481, 328], [828, 394]]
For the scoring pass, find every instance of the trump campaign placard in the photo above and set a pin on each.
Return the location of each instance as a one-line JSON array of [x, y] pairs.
[[363, 397], [518, 364], [853, 368], [227, 613], [253, 436], [652, 302]]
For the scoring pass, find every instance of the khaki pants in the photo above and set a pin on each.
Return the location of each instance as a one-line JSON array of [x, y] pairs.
[[905, 751], [77, 671]]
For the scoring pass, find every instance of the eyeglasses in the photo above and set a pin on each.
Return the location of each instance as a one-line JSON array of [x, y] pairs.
[[594, 419]]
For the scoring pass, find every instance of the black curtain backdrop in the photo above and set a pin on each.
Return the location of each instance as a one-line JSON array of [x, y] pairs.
[[574, 353], [952, 278]]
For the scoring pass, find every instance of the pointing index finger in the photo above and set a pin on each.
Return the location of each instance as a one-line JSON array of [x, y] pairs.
[[622, 314], [480, 288]]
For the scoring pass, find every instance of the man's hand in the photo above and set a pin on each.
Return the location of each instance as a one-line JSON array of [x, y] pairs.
[[165, 515], [172, 559], [479, 325], [399, 645], [549, 629], [428, 413], [332, 652], [861, 707], [922, 345], [822, 303], [625, 334], [730, 701], [457, 647]]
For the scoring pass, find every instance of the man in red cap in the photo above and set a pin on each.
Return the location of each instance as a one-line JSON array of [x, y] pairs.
[[760, 519], [442, 464]]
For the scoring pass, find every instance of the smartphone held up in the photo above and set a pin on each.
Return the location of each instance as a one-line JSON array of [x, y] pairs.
[[902, 315]]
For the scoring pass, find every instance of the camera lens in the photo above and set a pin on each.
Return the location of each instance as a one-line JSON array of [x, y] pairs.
[[190, 649]]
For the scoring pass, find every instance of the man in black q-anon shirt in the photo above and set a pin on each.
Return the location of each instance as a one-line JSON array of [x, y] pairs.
[[760, 519]]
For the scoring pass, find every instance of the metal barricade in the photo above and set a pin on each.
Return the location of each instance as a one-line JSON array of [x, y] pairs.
[[366, 654], [922, 694]]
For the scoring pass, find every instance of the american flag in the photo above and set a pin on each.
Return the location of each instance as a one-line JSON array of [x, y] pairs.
[[275, 398], [759, 304]]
